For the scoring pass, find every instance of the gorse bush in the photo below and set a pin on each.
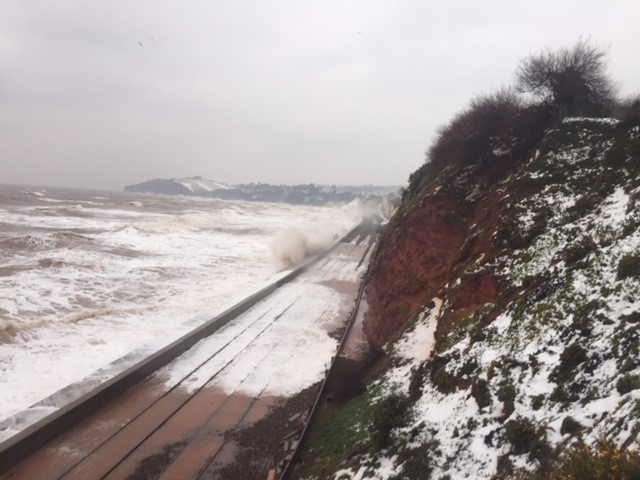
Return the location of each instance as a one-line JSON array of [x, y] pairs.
[[481, 393], [578, 250], [582, 462], [417, 463], [570, 426], [507, 394]]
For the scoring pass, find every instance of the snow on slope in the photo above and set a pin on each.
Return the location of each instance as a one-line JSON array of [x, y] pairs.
[[199, 185], [563, 351]]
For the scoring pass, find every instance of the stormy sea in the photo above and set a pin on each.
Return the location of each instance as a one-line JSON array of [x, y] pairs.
[[88, 278]]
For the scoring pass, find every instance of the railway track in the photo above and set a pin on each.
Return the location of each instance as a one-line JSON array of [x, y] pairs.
[[176, 423]]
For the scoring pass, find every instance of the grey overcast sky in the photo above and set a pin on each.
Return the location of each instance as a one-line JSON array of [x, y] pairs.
[[100, 94]]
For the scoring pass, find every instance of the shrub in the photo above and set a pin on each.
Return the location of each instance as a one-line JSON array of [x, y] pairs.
[[559, 394], [626, 383], [537, 401], [633, 317], [580, 462], [523, 435], [629, 267], [606, 181], [538, 226], [575, 252], [570, 426], [417, 181], [440, 377], [584, 205], [467, 137], [571, 357], [616, 156], [417, 462], [496, 127], [480, 392], [417, 380], [572, 79], [390, 413], [444, 381], [633, 149], [629, 112], [507, 394], [417, 467]]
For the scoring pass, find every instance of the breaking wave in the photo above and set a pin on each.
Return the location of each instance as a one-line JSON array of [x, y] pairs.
[[11, 331], [292, 245], [8, 330], [45, 241], [86, 314]]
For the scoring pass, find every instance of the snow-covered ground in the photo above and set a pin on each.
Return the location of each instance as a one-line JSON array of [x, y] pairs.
[[284, 343], [558, 352]]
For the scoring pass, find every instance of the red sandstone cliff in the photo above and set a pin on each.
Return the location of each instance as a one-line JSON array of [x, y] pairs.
[[432, 242], [450, 216]]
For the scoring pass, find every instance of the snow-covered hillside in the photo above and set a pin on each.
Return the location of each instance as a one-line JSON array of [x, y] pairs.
[[537, 345], [200, 185]]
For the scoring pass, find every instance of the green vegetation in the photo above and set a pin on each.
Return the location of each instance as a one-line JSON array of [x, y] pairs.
[[417, 463], [630, 112], [580, 462], [507, 394], [571, 357], [527, 437], [481, 393], [570, 426], [497, 131], [625, 343], [340, 433], [389, 414], [627, 383], [540, 218], [362, 425], [575, 252], [629, 267]]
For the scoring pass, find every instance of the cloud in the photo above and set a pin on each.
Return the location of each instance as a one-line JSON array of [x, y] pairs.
[[293, 92]]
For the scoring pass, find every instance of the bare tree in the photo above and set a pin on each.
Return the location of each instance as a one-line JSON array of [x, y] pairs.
[[573, 79]]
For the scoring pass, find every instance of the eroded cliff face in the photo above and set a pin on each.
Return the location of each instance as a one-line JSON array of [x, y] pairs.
[[449, 217], [413, 262], [429, 243]]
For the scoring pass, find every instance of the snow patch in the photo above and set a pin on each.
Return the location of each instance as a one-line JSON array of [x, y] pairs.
[[417, 344], [614, 209]]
